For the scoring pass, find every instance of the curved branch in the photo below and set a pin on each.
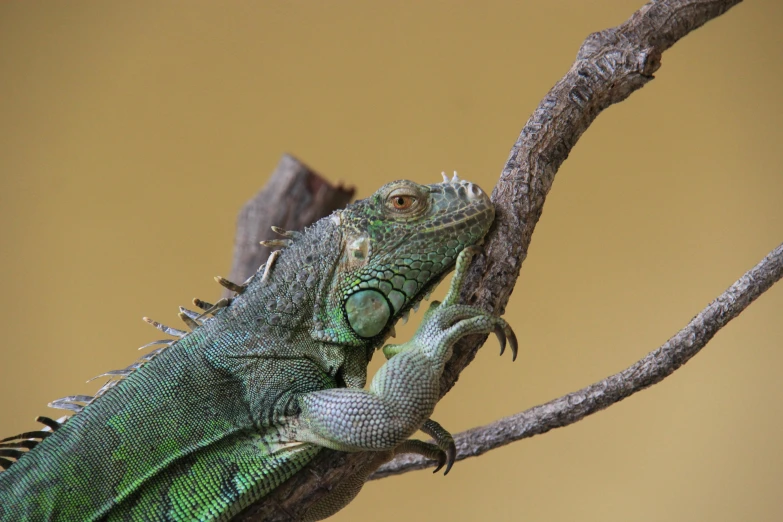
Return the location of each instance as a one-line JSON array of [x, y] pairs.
[[652, 369], [610, 66]]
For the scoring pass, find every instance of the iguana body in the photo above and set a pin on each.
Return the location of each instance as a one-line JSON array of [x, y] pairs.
[[215, 421]]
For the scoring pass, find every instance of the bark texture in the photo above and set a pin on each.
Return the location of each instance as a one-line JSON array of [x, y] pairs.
[[610, 65]]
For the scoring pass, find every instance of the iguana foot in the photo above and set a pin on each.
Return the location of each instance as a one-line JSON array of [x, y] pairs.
[[444, 441], [445, 324], [425, 449]]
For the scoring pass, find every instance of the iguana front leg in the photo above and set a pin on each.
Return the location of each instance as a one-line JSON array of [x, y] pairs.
[[402, 394]]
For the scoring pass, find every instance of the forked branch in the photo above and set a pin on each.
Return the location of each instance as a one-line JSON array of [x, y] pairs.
[[610, 65]]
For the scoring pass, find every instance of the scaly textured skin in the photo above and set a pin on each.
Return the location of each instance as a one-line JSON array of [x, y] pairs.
[[401, 397], [217, 419]]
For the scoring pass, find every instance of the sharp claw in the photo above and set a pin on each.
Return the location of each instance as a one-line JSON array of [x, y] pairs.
[[441, 462], [512, 340], [502, 339], [451, 456]]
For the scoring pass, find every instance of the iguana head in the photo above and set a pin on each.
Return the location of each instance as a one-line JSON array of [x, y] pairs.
[[398, 244]]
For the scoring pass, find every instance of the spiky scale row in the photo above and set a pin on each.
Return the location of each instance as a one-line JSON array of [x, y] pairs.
[[230, 285], [290, 234], [52, 424], [165, 329], [11, 447], [196, 316], [119, 373], [275, 243], [204, 305], [191, 323], [288, 311], [209, 308], [72, 402], [156, 342]]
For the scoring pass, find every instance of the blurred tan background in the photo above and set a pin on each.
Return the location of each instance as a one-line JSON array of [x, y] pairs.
[[132, 132]]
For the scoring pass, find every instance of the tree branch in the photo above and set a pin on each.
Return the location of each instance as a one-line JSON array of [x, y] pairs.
[[655, 367], [610, 66]]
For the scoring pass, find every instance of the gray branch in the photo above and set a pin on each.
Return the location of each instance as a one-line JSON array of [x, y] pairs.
[[655, 367], [610, 66]]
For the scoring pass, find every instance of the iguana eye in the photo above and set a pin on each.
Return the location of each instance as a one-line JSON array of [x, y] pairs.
[[402, 201]]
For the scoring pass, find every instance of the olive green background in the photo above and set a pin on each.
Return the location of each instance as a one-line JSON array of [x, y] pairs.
[[132, 132]]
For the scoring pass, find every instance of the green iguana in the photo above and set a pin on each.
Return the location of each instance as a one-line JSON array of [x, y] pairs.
[[207, 424]]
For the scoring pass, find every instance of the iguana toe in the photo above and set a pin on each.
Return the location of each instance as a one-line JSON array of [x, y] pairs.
[[504, 332]]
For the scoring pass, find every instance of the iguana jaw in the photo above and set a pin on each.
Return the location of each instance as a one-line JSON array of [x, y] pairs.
[[422, 295]]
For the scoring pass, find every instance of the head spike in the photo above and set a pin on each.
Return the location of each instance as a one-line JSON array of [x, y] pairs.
[[75, 398], [191, 323], [290, 234], [280, 231], [71, 403], [268, 265], [159, 341], [165, 329], [13, 453], [151, 355], [49, 423], [27, 443], [189, 313], [119, 373], [275, 243], [204, 305], [455, 178], [445, 177], [106, 387], [28, 435], [240, 289], [212, 308], [76, 408]]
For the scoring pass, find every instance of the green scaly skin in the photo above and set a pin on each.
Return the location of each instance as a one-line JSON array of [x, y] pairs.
[[402, 395], [225, 414]]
